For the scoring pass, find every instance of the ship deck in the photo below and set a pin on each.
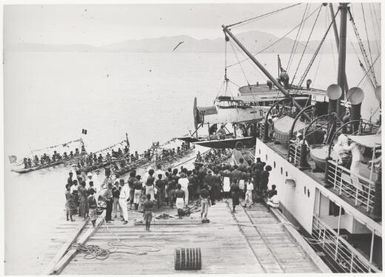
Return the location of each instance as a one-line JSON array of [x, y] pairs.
[[251, 240], [320, 178]]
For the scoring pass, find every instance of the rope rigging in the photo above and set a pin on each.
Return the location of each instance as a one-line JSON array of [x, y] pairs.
[[58, 145], [307, 42], [375, 28], [363, 51], [236, 56], [366, 32], [262, 15], [295, 44], [368, 70], [278, 40], [361, 64], [316, 52]]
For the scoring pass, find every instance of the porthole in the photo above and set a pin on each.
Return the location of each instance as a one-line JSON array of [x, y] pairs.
[[274, 164]]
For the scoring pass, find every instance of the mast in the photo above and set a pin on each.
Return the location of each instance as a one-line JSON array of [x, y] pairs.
[[342, 56], [334, 25], [333, 16], [260, 66]]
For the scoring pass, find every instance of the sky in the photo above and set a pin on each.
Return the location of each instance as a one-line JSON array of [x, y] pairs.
[[101, 24]]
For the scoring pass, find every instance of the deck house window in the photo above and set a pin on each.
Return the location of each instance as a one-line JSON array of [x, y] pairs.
[[334, 209]]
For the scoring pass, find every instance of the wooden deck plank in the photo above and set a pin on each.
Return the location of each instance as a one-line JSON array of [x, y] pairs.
[[251, 241]]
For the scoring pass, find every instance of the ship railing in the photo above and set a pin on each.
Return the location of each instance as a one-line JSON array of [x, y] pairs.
[[342, 252], [294, 153], [352, 185]]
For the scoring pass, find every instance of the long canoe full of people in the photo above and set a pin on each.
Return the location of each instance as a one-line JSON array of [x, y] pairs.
[[169, 189], [122, 161], [46, 160]]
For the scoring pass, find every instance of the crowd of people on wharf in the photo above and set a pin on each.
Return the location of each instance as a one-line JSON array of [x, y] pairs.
[[160, 189], [56, 157]]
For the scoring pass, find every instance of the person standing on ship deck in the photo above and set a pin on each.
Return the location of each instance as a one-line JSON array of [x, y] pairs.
[[148, 206], [357, 157]]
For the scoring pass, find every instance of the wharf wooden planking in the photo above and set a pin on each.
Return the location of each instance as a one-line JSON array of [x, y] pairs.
[[229, 243]]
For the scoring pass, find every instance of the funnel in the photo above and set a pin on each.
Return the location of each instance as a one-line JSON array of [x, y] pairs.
[[334, 92], [355, 95]]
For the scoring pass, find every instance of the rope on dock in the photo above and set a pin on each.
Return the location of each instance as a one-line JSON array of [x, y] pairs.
[[92, 251]]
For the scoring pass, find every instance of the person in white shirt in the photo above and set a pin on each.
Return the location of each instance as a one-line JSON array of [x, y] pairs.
[[123, 196], [341, 149], [183, 181], [357, 157], [273, 201], [226, 186], [88, 180], [159, 171], [249, 193]]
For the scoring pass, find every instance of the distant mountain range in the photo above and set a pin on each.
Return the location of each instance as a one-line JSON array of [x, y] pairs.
[[253, 41]]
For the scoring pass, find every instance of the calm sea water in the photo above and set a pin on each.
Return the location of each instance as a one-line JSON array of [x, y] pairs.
[[50, 97]]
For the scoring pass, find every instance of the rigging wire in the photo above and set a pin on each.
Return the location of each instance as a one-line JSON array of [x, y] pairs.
[[236, 56], [362, 48], [367, 36], [375, 30], [307, 42], [360, 63], [316, 53], [295, 44], [262, 15], [317, 70], [368, 70], [275, 42], [332, 46]]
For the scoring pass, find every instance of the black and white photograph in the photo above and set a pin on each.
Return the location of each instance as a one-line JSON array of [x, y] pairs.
[[222, 137]]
